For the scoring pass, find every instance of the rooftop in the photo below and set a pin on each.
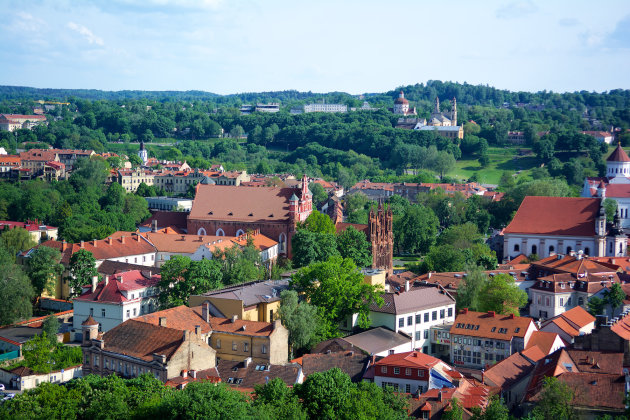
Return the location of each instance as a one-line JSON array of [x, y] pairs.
[[490, 325], [377, 340], [427, 296]]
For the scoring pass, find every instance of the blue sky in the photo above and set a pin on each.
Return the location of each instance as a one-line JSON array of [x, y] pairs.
[[231, 46]]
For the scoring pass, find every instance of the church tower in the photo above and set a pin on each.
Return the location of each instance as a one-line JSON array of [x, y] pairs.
[[143, 154], [382, 238], [437, 105], [454, 113]]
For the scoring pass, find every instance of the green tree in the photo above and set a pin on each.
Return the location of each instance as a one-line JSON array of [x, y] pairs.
[[455, 412], [300, 318], [277, 397], [16, 240], [444, 163], [354, 245], [469, 290], [501, 295], [16, 291], [447, 258], [318, 223], [319, 194], [145, 191], [240, 264], [610, 206], [309, 247], [37, 353], [82, 269], [337, 289], [50, 328], [495, 410], [135, 160], [180, 277], [614, 297], [555, 401], [47, 401], [596, 305], [44, 269], [416, 230]]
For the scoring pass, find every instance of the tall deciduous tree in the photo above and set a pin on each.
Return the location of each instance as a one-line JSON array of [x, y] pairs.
[[501, 295], [301, 319], [337, 288], [555, 401], [318, 223], [44, 269], [309, 247], [180, 277], [82, 269], [614, 297], [416, 229], [50, 328], [16, 291], [469, 291], [16, 240], [354, 245]]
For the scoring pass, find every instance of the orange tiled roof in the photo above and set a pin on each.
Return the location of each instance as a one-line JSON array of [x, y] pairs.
[[543, 340], [180, 318], [488, 325], [578, 316]]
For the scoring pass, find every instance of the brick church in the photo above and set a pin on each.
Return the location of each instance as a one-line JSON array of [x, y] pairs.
[[230, 210]]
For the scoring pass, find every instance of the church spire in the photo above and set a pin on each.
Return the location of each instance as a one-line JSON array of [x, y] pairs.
[[454, 112], [437, 104]]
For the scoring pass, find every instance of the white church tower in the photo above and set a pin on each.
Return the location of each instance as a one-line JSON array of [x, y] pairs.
[[143, 154]]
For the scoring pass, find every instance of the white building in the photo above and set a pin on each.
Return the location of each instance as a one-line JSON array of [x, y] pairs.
[[414, 312], [615, 185], [117, 299], [325, 108], [548, 225], [169, 203]]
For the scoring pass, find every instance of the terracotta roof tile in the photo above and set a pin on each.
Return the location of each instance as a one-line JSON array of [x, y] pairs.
[[618, 155], [141, 340], [487, 325], [545, 341], [570, 216], [179, 318], [351, 363], [243, 376], [578, 316]]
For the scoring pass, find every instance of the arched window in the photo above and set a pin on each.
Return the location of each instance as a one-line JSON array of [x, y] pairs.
[[282, 242], [517, 248], [240, 232], [220, 232], [551, 249], [201, 231], [621, 248], [569, 249], [587, 251], [534, 249]]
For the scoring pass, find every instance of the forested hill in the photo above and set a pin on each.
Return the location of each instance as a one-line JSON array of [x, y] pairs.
[[465, 93]]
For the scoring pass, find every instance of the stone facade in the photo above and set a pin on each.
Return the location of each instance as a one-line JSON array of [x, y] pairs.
[[382, 238]]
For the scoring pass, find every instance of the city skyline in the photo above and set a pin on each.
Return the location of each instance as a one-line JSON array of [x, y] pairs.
[[355, 47]]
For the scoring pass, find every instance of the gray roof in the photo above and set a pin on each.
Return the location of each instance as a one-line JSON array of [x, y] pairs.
[[417, 299], [21, 333], [439, 128], [377, 340], [252, 293]]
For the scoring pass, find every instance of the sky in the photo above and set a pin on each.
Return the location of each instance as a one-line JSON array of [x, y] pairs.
[[234, 46]]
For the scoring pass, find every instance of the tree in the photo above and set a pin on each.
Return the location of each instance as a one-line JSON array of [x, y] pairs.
[[135, 160], [554, 402], [236, 131], [50, 328], [354, 245], [469, 290], [444, 163], [38, 353], [496, 410], [416, 230], [240, 264], [610, 206], [277, 396], [309, 247], [614, 297], [82, 269], [596, 305], [319, 193], [180, 277], [337, 289], [446, 258], [301, 319], [16, 291], [455, 412], [318, 222], [44, 269], [501, 295], [16, 240]]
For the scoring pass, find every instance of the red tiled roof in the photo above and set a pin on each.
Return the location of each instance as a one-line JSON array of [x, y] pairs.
[[565, 326], [413, 359], [180, 318], [142, 340], [239, 326], [89, 321], [120, 244], [543, 340], [569, 216], [618, 155], [578, 316], [487, 325], [622, 327], [112, 291]]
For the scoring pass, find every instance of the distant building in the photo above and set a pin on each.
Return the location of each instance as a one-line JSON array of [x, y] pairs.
[[600, 136], [143, 154], [39, 231], [169, 203], [516, 137], [248, 109], [331, 108], [12, 122], [401, 106]]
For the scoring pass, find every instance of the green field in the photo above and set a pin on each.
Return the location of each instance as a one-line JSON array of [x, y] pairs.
[[513, 159]]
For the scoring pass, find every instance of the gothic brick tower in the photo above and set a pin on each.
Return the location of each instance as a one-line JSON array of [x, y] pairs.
[[382, 238]]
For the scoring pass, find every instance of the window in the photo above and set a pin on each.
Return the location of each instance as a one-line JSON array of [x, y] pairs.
[[401, 322], [417, 335], [450, 312], [561, 301], [95, 360], [551, 249], [234, 346], [245, 347], [587, 251], [442, 313], [396, 371], [134, 311], [517, 248], [409, 321], [493, 329], [263, 349], [418, 318], [407, 372], [426, 317], [420, 373], [580, 301], [534, 249], [434, 316], [426, 334], [383, 369], [390, 352], [408, 388], [128, 313], [103, 313], [91, 311]]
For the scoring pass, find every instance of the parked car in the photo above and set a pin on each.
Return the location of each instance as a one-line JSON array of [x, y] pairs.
[[6, 396]]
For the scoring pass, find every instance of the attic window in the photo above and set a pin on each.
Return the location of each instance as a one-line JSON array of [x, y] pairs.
[[517, 329], [493, 329], [476, 327], [235, 369], [250, 214], [210, 212], [230, 214], [271, 215]]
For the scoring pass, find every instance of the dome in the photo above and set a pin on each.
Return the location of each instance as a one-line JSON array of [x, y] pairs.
[[401, 99]]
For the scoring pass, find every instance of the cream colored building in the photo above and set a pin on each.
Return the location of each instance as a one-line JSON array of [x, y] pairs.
[[130, 179]]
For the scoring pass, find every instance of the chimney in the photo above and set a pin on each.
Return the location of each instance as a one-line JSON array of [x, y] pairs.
[[162, 321], [277, 324], [106, 279], [193, 373], [197, 329], [154, 227], [122, 239], [465, 310], [184, 374], [429, 276], [205, 311], [440, 396], [185, 335], [64, 245], [511, 316], [94, 283], [247, 361], [234, 318], [406, 285], [138, 238], [491, 313], [82, 244], [94, 242]]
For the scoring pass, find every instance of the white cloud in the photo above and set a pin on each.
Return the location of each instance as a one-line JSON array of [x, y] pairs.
[[86, 33]]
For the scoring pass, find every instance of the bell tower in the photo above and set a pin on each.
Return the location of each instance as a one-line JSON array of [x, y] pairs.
[[382, 238], [454, 113]]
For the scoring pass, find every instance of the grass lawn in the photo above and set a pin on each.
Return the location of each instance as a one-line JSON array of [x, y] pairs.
[[501, 159]]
